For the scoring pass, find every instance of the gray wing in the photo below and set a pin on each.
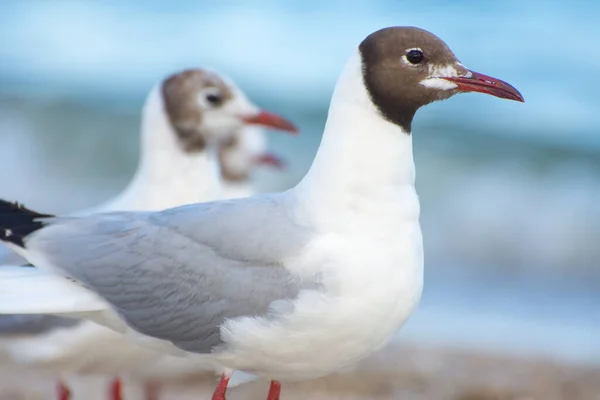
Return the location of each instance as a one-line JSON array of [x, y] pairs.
[[178, 274], [33, 324]]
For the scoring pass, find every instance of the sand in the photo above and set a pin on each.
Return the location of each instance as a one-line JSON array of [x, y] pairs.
[[399, 372]]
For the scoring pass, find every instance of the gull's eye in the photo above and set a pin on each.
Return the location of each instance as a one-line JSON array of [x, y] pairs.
[[210, 98], [414, 56], [214, 99]]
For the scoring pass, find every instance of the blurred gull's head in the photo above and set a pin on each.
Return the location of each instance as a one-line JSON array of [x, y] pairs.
[[203, 106]]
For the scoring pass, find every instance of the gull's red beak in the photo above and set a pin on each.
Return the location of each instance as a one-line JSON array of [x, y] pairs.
[[271, 120], [270, 159], [476, 82]]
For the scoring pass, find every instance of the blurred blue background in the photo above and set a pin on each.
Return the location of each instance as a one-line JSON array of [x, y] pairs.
[[509, 191]]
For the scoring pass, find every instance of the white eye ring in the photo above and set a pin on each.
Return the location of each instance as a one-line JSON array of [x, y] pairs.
[[210, 97]]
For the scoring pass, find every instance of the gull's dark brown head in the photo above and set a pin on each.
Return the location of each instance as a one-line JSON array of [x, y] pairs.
[[202, 105], [405, 68]]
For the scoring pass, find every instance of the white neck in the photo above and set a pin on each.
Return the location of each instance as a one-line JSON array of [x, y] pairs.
[[364, 164], [167, 176]]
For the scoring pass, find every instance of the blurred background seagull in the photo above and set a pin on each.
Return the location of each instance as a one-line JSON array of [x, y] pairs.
[[190, 120], [239, 157]]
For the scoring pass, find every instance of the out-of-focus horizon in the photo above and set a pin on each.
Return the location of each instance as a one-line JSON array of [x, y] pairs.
[[508, 190]]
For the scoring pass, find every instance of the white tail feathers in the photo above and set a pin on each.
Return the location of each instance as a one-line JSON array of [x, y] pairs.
[[26, 290]]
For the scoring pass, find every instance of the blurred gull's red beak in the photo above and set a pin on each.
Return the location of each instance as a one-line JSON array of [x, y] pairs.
[[476, 82], [271, 120], [271, 160]]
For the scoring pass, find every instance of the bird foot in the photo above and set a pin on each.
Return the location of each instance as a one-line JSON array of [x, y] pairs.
[[274, 391], [221, 389], [116, 389]]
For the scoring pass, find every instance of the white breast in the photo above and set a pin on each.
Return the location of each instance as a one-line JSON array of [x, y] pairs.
[[370, 287]]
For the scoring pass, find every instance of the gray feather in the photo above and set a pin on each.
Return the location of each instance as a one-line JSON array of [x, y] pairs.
[[33, 324], [179, 274]]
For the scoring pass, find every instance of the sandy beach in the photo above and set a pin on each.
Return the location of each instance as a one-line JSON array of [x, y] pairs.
[[399, 372]]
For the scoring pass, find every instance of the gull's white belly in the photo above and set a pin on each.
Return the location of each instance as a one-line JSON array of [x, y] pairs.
[[356, 313]]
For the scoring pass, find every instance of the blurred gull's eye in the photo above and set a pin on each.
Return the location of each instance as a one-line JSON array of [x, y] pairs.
[[214, 99]]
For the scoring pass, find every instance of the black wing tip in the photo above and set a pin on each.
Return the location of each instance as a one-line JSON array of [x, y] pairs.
[[11, 206], [18, 221]]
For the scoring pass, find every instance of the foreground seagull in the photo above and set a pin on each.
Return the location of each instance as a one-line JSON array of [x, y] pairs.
[[288, 286], [186, 117]]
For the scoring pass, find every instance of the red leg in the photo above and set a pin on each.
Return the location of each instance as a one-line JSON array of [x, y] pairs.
[[274, 391], [116, 389], [62, 391], [221, 389]]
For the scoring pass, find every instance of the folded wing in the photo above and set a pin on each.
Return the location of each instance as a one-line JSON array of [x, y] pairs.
[[179, 274]]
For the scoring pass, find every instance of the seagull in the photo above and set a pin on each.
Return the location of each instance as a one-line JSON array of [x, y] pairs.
[[186, 117], [286, 286], [238, 159]]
